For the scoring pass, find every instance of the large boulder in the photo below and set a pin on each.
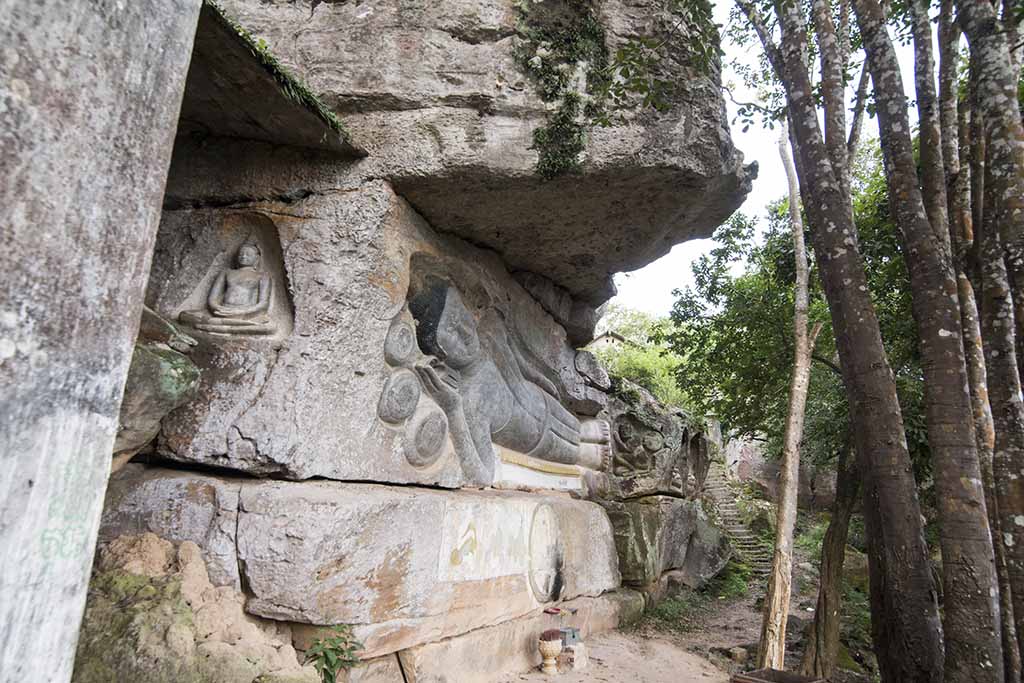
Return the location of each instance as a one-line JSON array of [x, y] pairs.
[[446, 99], [658, 534], [331, 392], [403, 565], [153, 615], [655, 449]]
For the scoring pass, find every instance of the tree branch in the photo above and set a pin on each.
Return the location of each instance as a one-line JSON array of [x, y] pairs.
[[827, 363], [859, 106]]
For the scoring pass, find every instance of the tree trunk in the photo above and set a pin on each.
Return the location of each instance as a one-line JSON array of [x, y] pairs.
[[772, 650], [970, 587], [997, 79], [905, 623], [999, 339], [985, 436], [956, 152], [822, 647]]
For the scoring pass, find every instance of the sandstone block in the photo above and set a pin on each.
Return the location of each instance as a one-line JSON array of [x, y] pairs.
[[447, 113], [408, 566], [177, 506], [327, 386], [404, 566]]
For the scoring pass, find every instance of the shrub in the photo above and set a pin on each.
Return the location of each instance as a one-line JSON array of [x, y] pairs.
[[334, 652]]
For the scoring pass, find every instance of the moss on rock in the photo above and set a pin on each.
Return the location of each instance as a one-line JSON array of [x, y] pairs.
[[152, 615]]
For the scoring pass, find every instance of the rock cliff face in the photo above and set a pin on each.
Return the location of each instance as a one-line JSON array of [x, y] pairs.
[[442, 98], [392, 426]]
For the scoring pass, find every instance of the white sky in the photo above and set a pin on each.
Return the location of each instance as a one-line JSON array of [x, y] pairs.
[[650, 288]]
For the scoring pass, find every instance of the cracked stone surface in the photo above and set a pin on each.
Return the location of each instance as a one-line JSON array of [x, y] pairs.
[[433, 92], [404, 565], [306, 404]]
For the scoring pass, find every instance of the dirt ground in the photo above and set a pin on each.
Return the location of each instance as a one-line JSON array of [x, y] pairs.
[[719, 637], [631, 657]]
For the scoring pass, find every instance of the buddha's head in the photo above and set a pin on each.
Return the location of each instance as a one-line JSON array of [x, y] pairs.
[[248, 255], [444, 326]]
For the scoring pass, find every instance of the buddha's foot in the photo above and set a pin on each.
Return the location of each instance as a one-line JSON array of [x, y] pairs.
[[595, 431]]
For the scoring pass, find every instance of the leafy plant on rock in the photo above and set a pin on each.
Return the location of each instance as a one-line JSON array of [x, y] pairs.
[[334, 652]]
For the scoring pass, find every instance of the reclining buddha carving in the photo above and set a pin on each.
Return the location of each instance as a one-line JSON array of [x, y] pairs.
[[239, 300], [489, 392]]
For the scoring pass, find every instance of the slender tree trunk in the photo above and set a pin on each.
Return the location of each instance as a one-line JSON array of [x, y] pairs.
[[985, 436], [999, 338], [772, 650], [821, 650], [997, 79], [971, 620], [956, 148], [905, 624]]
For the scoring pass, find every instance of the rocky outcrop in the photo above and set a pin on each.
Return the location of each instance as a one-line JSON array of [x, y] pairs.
[[656, 535], [655, 450], [309, 400], [152, 614], [160, 378], [441, 97], [393, 428], [405, 566]]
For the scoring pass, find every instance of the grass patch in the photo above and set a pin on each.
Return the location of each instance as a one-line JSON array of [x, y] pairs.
[[688, 610], [810, 535]]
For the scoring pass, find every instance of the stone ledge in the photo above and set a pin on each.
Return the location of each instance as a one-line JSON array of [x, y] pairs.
[[405, 566], [484, 655]]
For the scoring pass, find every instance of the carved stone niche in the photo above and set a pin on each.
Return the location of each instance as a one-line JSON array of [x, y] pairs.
[[225, 282], [655, 450], [462, 379]]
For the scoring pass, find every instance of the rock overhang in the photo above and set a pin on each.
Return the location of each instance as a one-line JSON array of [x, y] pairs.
[[439, 98], [236, 89]]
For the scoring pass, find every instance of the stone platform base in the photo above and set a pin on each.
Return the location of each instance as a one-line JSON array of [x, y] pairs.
[[485, 655], [404, 566]]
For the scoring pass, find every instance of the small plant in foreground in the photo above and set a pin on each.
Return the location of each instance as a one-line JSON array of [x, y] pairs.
[[334, 652]]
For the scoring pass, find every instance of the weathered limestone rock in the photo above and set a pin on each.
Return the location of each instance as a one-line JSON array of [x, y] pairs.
[[657, 534], [153, 615], [345, 386], [405, 566], [177, 506], [159, 380], [487, 654], [447, 113], [90, 96]]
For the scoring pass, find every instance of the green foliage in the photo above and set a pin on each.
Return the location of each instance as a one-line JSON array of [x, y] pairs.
[[735, 328], [639, 73], [650, 364], [686, 611], [732, 582], [556, 47], [561, 141], [332, 653], [564, 50], [810, 539]]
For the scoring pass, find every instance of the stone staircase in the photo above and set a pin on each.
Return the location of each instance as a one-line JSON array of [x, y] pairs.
[[749, 547]]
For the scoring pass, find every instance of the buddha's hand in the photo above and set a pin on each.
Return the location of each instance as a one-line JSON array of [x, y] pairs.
[[441, 384]]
